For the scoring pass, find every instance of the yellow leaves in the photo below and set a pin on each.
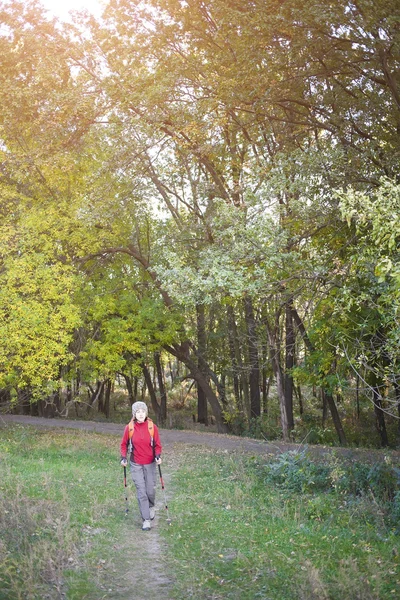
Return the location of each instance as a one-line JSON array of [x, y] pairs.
[[37, 317]]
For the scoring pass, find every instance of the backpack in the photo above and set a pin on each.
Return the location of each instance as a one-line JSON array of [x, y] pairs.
[[150, 425]]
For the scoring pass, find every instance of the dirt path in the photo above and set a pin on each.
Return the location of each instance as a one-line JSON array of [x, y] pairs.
[[142, 573], [212, 440]]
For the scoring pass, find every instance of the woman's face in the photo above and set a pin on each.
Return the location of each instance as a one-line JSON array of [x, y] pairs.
[[140, 415]]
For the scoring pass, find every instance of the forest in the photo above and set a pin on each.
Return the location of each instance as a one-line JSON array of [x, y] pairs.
[[200, 199]]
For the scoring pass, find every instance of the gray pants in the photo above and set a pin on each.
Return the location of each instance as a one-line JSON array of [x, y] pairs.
[[144, 478]]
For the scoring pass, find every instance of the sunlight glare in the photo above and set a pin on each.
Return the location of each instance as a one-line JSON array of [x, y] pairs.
[[62, 9]]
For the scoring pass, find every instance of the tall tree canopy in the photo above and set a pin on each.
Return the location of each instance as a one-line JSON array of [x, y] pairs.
[[210, 179]]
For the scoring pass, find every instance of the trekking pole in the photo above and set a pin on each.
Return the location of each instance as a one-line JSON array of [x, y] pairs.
[[165, 498], [126, 493]]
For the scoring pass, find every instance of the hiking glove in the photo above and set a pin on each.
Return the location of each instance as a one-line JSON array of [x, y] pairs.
[[124, 462]]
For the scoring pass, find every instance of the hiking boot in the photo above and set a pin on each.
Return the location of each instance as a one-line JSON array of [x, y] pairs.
[[152, 512], [146, 525]]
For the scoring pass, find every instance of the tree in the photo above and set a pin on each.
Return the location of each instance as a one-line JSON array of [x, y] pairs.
[[197, 151]]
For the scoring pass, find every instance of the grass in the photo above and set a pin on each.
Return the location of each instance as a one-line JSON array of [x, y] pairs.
[[61, 510], [239, 536], [243, 527]]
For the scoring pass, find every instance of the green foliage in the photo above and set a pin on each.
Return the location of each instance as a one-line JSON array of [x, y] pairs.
[[38, 313], [175, 154], [377, 212], [297, 472]]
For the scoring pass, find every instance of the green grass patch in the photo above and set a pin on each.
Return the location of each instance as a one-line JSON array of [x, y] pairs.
[[62, 515], [275, 528], [282, 529]]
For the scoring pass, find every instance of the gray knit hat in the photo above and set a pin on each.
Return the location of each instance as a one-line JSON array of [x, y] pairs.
[[136, 406]]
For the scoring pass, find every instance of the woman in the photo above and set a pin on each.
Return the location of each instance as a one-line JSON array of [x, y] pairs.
[[141, 439]]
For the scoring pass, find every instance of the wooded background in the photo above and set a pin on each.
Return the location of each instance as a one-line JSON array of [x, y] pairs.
[[204, 193]]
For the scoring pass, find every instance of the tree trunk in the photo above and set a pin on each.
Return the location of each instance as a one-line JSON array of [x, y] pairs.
[[324, 408], [358, 397], [129, 387], [336, 418], [234, 362], [397, 392], [5, 398], [163, 392], [243, 379], [281, 395], [150, 388], [379, 414], [254, 378], [326, 395], [76, 383], [289, 364], [24, 404], [95, 395], [171, 373], [182, 353], [100, 403], [266, 377], [202, 410], [276, 366], [107, 396]]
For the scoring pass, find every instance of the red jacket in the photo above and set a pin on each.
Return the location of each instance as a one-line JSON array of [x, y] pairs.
[[143, 452]]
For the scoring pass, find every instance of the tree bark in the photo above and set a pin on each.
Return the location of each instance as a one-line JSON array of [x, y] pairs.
[[95, 395], [129, 387], [277, 368], [289, 363], [396, 386], [254, 377], [182, 353], [5, 398], [150, 388], [243, 379], [281, 393], [107, 396], [358, 396], [379, 414], [335, 417], [324, 408], [326, 394], [234, 361], [297, 391], [202, 411], [163, 392]]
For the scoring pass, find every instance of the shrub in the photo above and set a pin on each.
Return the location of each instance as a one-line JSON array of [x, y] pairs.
[[297, 472]]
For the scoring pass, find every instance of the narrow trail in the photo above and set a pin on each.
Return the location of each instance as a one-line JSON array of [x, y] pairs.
[[142, 573]]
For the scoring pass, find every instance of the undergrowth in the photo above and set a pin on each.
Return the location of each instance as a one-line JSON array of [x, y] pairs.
[[284, 529]]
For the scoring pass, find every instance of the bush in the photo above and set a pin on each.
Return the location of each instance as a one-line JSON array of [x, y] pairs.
[[394, 515], [296, 472], [379, 480]]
